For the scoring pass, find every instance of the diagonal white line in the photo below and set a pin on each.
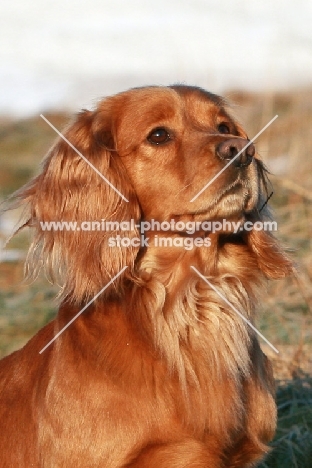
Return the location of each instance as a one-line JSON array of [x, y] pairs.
[[235, 310], [82, 310], [84, 158], [232, 160]]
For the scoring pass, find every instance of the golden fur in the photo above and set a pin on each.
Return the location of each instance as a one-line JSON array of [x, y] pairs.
[[159, 371]]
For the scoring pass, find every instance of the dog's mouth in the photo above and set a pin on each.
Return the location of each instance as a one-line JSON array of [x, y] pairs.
[[233, 203], [242, 196], [237, 198], [223, 214]]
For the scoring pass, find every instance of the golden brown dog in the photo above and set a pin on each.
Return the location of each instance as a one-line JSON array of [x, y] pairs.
[[158, 371]]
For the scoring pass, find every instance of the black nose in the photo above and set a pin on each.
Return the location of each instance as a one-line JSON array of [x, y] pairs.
[[228, 149]]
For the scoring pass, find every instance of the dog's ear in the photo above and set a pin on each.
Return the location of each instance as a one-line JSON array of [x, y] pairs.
[[68, 189], [270, 256]]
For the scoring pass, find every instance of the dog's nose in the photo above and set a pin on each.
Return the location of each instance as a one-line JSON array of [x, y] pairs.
[[228, 149]]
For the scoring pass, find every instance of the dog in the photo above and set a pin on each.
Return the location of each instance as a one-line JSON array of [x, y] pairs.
[[147, 363]]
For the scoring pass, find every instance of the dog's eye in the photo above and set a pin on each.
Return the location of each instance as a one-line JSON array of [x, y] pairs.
[[158, 136], [223, 128]]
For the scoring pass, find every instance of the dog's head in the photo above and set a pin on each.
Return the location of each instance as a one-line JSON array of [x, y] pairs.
[[172, 142], [156, 148]]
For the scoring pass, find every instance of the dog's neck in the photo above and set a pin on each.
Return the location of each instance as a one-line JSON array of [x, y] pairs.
[[186, 311], [171, 262]]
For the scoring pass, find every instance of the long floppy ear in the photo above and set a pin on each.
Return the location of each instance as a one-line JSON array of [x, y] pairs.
[[271, 258], [70, 190], [269, 254]]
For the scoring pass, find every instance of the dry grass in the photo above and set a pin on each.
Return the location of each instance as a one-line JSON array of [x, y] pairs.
[[22, 146]]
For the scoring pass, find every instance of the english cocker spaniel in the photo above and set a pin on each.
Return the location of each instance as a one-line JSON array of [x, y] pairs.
[[147, 363]]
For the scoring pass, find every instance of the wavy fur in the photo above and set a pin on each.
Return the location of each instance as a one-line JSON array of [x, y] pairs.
[[159, 371]]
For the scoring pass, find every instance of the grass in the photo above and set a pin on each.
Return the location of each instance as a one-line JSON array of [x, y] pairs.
[[286, 309], [22, 146], [292, 446], [24, 308]]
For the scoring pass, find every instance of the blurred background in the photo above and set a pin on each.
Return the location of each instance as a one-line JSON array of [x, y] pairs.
[[58, 54], [57, 57]]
